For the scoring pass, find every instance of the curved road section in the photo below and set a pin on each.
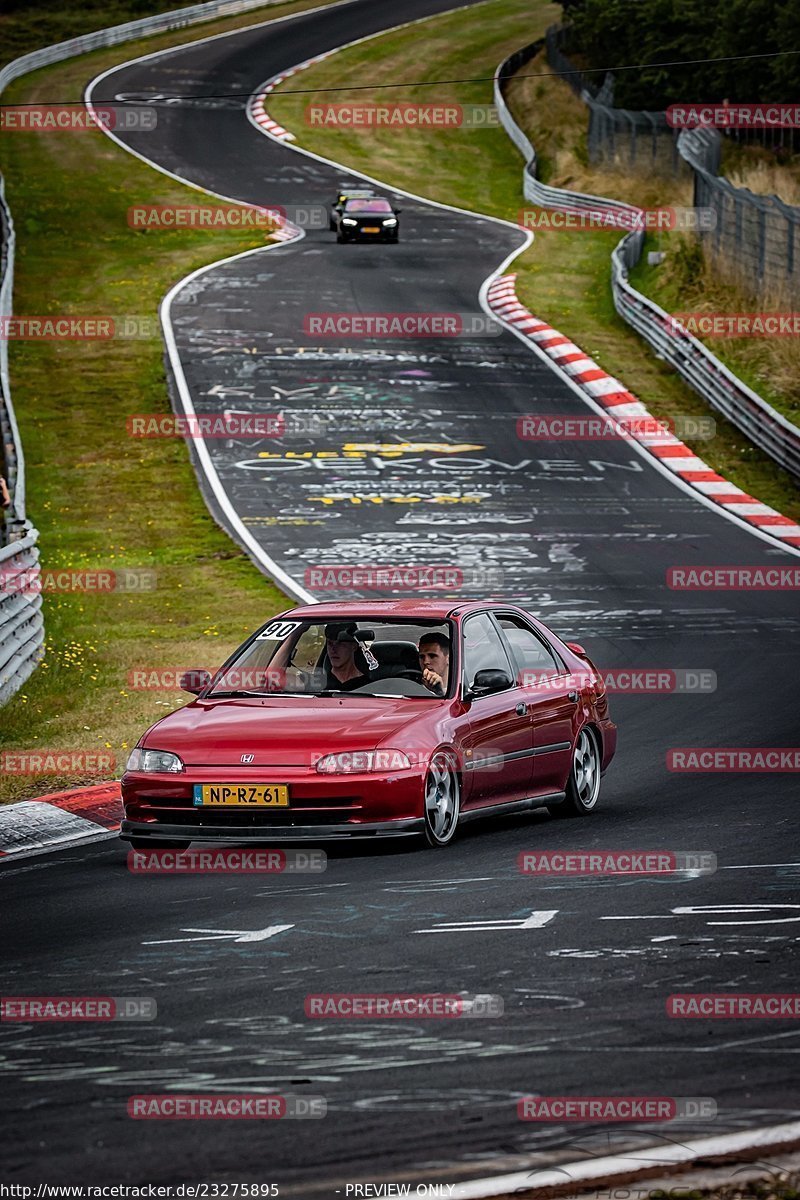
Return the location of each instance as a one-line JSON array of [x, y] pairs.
[[406, 452]]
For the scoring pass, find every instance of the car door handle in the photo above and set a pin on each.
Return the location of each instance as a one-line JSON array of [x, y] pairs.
[[521, 709], [572, 696]]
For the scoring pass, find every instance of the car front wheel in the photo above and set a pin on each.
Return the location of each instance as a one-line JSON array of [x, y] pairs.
[[442, 801], [583, 785]]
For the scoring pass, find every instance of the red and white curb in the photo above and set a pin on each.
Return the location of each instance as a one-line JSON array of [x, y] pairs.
[[257, 112], [59, 819], [607, 391], [257, 107]]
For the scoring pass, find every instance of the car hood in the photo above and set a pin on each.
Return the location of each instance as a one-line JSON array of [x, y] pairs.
[[281, 731]]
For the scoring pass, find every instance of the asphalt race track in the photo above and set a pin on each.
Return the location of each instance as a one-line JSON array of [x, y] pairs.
[[583, 533]]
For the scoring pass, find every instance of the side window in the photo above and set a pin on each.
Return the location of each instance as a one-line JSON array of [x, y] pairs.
[[308, 648], [533, 659], [482, 648]]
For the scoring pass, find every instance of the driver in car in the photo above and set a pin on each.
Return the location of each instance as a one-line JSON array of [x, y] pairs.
[[434, 662], [347, 664]]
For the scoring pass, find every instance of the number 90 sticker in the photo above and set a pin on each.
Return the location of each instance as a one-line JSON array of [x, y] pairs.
[[278, 630]]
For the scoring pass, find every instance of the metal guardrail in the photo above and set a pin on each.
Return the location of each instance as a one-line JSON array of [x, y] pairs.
[[756, 239], [743, 407], [21, 621]]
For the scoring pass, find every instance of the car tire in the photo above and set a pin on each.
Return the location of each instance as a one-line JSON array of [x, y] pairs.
[[583, 785], [441, 801], [340, 239], [157, 844]]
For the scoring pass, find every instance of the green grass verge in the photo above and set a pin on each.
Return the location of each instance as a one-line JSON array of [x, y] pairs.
[[685, 282], [99, 498], [565, 276]]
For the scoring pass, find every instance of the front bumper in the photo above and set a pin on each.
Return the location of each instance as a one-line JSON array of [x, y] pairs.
[[332, 806], [270, 835]]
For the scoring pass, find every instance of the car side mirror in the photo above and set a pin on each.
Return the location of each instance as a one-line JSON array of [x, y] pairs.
[[194, 681], [487, 681], [397, 211], [576, 648]]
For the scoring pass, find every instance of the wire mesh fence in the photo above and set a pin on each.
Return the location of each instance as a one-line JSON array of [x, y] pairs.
[[756, 239]]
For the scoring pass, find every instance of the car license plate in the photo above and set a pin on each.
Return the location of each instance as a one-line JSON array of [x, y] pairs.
[[241, 795], [370, 229]]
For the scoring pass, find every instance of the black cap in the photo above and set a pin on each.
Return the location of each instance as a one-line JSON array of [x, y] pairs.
[[342, 633]]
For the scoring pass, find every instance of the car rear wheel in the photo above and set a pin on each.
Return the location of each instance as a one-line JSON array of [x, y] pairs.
[[157, 844], [583, 785], [442, 801]]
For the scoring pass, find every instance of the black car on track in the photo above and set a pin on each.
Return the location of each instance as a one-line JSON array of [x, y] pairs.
[[367, 219], [344, 194]]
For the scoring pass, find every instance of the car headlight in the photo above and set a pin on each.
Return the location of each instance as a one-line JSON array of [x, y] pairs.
[[348, 221], [352, 762], [154, 760], [390, 221]]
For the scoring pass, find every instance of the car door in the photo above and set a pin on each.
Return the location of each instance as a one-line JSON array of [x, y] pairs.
[[498, 748], [552, 699]]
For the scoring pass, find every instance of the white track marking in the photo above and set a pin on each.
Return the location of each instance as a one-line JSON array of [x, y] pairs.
[[537, 920], [238, 935], [629, 1165]]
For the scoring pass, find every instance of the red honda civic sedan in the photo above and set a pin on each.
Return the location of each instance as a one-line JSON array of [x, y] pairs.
[[397, 717]]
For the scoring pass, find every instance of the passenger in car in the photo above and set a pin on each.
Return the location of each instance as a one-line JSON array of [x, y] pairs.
[[347, 667], [434, 662]]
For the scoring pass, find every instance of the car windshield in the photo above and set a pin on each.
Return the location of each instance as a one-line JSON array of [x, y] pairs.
[[341, 656], [368, 206]]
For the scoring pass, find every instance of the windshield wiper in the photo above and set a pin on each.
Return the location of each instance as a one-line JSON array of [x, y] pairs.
[[241, 692]]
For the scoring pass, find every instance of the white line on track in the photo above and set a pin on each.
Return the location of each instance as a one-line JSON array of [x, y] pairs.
[[630, 1165]]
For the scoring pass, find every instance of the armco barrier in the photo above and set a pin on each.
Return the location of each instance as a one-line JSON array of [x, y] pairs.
[[21, 622], [748, 411]]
